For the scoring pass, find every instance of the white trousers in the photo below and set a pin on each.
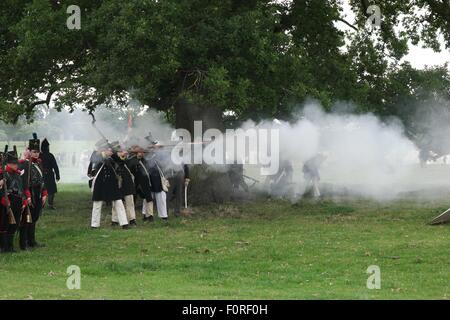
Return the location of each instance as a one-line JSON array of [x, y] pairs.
[[314, 184], [129, 209], [161, 205], [118, 209], [147, 208]]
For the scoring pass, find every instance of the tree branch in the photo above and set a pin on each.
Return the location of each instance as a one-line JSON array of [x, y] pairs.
[[347, 23], [47, 100]]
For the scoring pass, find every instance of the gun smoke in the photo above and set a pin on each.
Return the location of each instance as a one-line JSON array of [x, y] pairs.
[[364, 156]]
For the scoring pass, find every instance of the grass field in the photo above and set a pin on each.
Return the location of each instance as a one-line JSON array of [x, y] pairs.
[[261, 250]]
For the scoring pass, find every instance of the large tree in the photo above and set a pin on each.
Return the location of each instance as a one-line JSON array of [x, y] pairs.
[[194, 59]]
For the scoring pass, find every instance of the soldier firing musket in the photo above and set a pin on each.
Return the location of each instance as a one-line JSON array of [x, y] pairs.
[[311, 174], [281, 184], [126, 183], [106, 186], [140, 170]]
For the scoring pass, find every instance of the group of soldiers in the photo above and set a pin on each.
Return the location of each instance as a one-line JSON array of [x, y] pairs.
[[282, 183], [23, 193], [119, 175]]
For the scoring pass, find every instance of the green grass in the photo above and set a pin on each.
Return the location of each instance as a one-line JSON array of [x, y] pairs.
[[261, 250]]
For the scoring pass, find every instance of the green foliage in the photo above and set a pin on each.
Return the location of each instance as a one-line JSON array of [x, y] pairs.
[[259, 58]]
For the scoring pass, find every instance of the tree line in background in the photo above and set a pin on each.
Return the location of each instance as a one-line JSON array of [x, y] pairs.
[[196, 59], [64, 125]]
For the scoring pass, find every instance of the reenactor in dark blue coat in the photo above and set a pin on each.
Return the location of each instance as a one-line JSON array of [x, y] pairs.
[[34, 183], [140, 169], [126, 185], [106, 186], [51, 172]]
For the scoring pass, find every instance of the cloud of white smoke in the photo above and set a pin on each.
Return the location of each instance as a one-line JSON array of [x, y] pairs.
[[364, 156]]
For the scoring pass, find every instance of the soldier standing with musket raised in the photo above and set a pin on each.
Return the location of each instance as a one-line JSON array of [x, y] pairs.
[[14, 201], [37, 193], [106, 187]]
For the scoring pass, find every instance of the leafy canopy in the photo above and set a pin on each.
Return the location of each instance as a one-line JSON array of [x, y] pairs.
[[256, 58]]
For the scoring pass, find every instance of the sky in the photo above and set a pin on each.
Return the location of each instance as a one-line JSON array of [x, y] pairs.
[[418, 57]]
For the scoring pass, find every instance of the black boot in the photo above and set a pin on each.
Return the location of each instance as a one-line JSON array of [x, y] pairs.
[[51, 198], [11, 243], [23, 238], [3, 242], [32, 236]]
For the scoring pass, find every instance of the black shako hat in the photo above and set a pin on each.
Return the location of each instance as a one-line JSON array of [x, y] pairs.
[[35, 143], [11, 157]]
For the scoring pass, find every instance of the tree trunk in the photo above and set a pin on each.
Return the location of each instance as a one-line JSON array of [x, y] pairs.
[[208, 185], [186, 113]]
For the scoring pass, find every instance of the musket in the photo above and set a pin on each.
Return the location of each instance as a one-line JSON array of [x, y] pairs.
[[151, 147], [250, 178], [162, 146], [27, 208], [255, 181], [95, 127]]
